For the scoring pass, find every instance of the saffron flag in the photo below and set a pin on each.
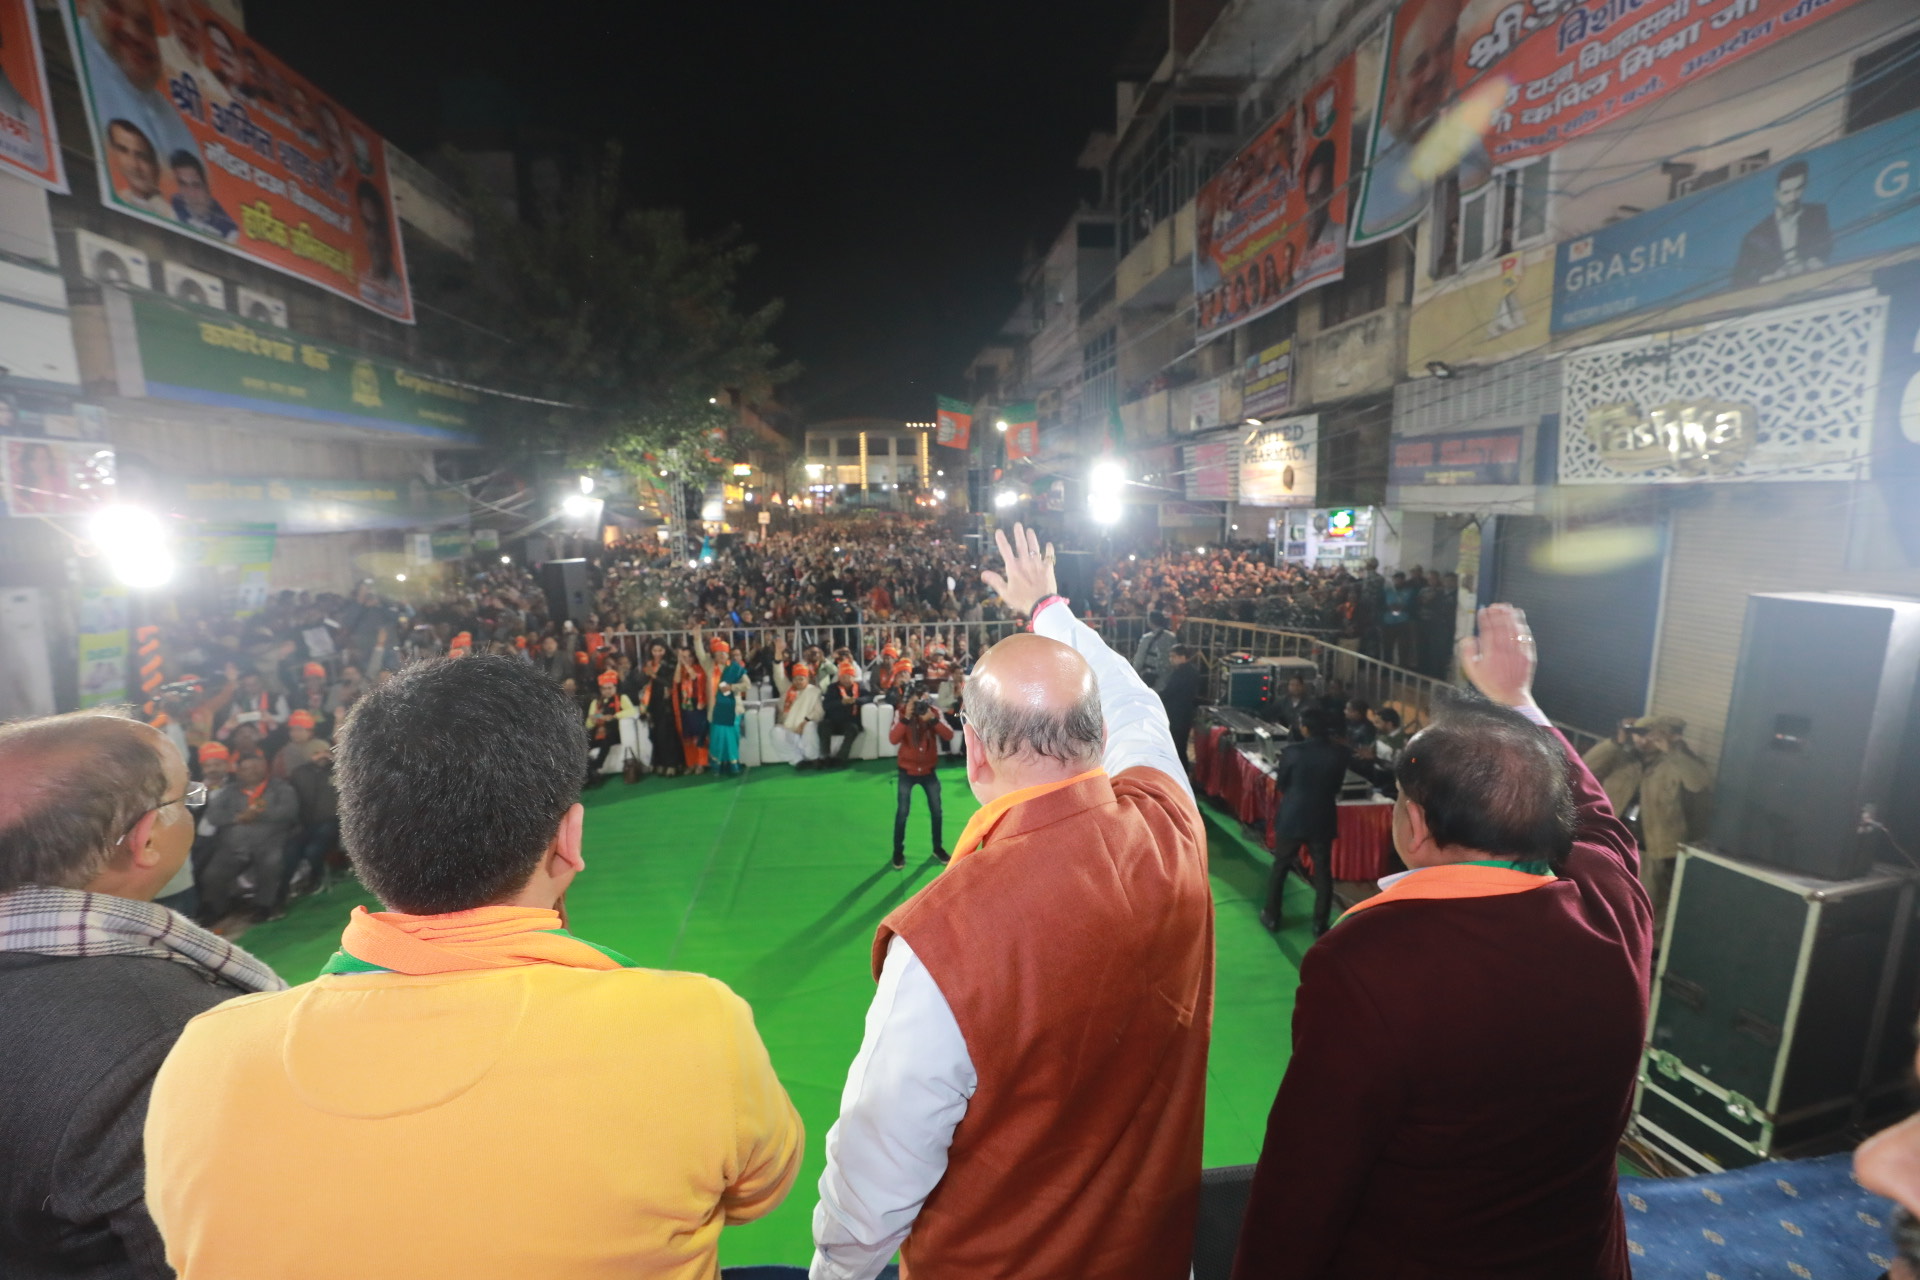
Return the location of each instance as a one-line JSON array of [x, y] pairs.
[[1023, 431], [953, 423]]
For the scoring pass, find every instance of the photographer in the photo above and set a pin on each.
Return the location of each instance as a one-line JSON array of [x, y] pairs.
[[1660, 790], [918, 731]]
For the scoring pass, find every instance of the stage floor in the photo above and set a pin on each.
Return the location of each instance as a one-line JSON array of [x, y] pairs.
[[774, 882]]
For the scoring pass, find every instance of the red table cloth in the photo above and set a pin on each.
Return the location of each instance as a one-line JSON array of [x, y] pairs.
[[1363, 850]]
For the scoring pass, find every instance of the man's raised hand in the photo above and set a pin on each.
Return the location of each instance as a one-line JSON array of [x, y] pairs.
[[1029, 576], [1500, 660]]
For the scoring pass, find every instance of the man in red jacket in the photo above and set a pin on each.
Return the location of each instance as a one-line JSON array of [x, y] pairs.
[[918, 731], [1465, 1043]]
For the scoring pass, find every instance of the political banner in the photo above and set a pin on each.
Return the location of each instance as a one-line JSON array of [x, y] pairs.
[[1852, 199], [1272, 224], [199, 130], [55, 477], [953, 422], [1023, 431], [103, 645], [1550, 70], [1268, 383], [29, 143]]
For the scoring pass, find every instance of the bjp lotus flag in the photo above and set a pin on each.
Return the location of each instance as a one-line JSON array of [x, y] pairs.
[[953, 423], [1023, 431]]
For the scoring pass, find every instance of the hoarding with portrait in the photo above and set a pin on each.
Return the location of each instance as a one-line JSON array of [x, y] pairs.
[[1566, 69], [29, 145], [1272, 224], [199, 130]]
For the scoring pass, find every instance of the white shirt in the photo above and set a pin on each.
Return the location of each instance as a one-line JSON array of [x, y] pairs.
[[909, 1086]]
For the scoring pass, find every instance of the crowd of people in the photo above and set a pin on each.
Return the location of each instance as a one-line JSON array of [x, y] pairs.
[[469, 1088]]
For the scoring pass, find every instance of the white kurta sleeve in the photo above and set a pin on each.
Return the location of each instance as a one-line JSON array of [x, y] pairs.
[[1137, 730], [907, 1089]]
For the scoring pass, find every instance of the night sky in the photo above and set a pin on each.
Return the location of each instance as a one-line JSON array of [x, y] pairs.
[[893, 161]]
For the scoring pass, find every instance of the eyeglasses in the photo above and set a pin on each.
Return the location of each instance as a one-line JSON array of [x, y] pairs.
[[194, 797]]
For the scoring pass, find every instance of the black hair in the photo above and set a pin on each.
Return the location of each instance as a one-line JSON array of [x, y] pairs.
[[1791, 169], [1157, 620], [1490, 780], [454, 777], [184, 159], [367, 191], [1391, 716], [1322, 158], [1318, 722], [1358, 704]]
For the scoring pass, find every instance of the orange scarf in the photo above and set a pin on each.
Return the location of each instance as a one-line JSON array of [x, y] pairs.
[[982, 823], [483, 938], [1455, 880]]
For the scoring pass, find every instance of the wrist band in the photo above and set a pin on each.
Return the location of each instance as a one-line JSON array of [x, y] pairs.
[[1035, 611]]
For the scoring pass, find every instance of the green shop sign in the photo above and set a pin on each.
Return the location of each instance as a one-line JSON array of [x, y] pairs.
[[317, 506], [203, 356]]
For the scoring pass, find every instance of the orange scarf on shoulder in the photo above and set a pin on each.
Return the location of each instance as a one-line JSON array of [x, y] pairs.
[[483, 938], [982, 823]]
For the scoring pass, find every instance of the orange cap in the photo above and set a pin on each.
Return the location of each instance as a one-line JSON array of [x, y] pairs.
[[214, 751], [313, 671], [902, 667], [801, 671], [300, 719], [609, 677]]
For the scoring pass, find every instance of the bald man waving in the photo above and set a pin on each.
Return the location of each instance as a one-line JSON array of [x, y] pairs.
[[1028, 1099]]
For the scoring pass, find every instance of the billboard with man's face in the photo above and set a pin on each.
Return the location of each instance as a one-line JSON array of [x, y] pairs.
[[199, 130], [1567, 69], [29, 146]]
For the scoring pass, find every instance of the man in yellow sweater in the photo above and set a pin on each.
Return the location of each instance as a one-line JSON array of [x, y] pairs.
[[467, 1090]]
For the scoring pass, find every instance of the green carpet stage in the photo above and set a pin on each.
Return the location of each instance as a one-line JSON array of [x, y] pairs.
[[774, 882]]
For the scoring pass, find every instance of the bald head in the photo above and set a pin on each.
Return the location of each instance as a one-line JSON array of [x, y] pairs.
[[70, 787], [1034, 700]]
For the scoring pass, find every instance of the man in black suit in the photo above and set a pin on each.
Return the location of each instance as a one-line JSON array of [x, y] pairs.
[[1793, 238], [1295, 704], [1180, 693], [1309, 774]]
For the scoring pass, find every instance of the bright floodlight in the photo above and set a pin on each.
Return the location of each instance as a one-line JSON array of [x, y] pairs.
[[577, 505], [134, 543], [586, 484], [399, 577], [1004, 498], [506, 559], [663, 602], [1000, 425], [1105, 508]]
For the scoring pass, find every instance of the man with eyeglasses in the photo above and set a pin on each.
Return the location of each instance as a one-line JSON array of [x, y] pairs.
[[96, 981]]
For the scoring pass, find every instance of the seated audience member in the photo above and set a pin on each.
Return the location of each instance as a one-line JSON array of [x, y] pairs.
[[604, 715], [96, 980], [254, 816], [1465, 1043], [1357, 729], [319, 832], [467, 1089], [801, 707], [841, 715], [302, 745]]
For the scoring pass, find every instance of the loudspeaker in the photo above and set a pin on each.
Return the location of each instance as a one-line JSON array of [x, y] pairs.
[[1821, 699], [1782, 1013], [568, 596], [1073, 571]]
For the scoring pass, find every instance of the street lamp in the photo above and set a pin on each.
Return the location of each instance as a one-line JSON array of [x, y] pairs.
[[1001, 425], [134, 543]]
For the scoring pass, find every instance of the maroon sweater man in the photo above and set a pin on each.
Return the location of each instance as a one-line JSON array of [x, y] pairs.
[[1465, 1044]]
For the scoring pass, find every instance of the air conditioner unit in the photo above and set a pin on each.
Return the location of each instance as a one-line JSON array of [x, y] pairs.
[[202, 288], [262, 308], [107, 261]]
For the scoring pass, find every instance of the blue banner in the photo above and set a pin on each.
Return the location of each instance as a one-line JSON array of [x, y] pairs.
[[1851, 199]]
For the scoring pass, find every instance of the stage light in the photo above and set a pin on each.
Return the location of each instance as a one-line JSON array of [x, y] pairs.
[[586, 484], [578, 506], [134, 543], [1104, 485], [506, 559]]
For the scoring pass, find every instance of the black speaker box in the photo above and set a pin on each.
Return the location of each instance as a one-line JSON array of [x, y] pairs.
[[567, 592], [1821, 700], [1073, 571]]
